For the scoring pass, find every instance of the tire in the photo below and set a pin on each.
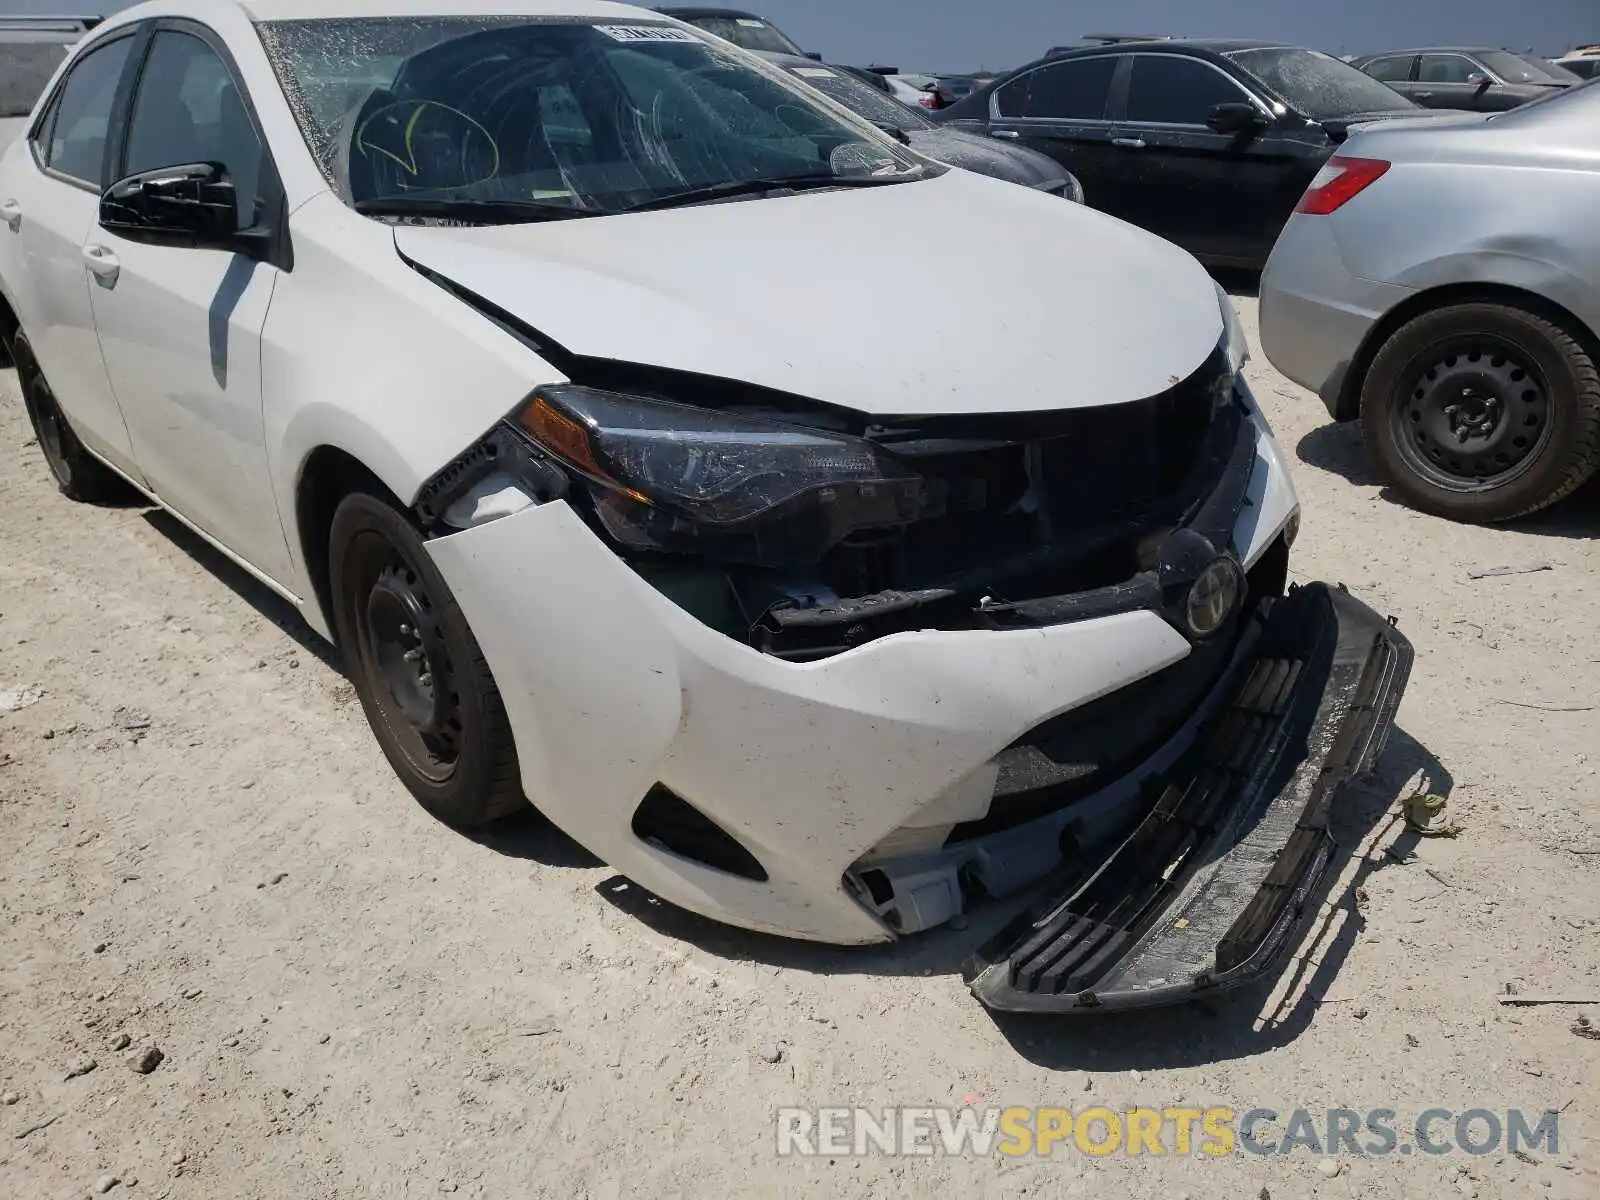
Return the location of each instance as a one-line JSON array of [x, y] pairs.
[[1483, 412], [422, 679], [78, 474]]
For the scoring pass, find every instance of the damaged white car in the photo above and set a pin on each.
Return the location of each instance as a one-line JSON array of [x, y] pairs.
[[535, 355]]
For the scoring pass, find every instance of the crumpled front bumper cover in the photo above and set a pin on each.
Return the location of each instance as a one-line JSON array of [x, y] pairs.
[[1208, 891]]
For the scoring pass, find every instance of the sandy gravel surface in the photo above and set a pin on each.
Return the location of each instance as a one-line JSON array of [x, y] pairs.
[[201, 849]]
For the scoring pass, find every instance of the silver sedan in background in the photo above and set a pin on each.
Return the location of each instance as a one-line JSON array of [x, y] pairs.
[[1440, 282]]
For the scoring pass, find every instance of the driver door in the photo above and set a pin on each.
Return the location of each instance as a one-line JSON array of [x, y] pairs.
[[1450, 81], [180, 327], [1223, 197]]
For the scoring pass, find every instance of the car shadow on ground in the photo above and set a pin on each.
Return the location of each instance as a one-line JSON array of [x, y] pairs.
[[1222, 1028], [1226, 1027], [1370, 828], [1338, 449], [527, 835], [252, 591], [524, 835]]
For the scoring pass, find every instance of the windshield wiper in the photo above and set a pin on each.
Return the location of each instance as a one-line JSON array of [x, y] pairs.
[[754, 187], [894, 131], [482, 212]]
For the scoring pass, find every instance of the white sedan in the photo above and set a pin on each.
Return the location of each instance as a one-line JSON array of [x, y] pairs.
[[539, 353]]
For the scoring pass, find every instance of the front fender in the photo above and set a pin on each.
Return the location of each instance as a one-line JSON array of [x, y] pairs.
[[363, 354]]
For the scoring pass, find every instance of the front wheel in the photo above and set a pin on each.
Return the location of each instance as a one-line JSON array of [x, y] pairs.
[[1483, 412], [423, 682]]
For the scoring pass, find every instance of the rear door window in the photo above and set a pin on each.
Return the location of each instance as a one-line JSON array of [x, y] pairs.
[[1074, 90], [1396, 69], [76, 145], [1178, 91]]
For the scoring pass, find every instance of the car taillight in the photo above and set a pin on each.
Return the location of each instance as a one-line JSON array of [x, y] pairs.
[[927, 100], [1339, 180]]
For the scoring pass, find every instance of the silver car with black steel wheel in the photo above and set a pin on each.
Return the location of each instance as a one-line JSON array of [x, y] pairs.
[[1440, 282]]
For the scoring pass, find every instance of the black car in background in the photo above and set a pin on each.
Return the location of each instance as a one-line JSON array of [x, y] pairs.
[[742, 28], [1208, 143], [1478, 80], [985, 156]]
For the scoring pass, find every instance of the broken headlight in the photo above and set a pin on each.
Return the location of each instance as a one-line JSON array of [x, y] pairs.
[[740, 488]]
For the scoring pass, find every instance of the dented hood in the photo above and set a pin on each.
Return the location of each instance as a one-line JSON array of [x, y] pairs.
[[957, 294]]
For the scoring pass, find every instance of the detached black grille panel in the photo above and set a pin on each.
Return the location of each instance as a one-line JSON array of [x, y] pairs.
[[1070, 953], [1209, 889]]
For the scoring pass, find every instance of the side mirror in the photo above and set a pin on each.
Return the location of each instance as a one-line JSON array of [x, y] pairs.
[[1480, 82], [814, 55], [1235, 117], [192, 205]]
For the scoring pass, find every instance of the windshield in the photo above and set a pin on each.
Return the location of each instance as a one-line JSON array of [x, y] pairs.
[[1318, 84], [862, 98], [25, 67], [557, 114], [1514, 68], [749, 32]]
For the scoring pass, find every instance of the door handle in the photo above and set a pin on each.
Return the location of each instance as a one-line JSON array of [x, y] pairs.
[[1423, 95], [1010, 135], [11, 214], [102, 264], [1132, 143]]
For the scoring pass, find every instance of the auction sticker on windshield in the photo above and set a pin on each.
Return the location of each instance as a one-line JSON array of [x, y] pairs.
[[645, 33]]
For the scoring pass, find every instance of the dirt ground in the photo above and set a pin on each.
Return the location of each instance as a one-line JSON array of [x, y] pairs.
[[201, 849]]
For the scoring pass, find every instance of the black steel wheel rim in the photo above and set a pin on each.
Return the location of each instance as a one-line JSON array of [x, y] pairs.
[[51, 428], [405, 659], [1472, 414]]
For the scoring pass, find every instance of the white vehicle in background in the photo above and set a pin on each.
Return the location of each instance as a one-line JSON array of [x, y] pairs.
[[480, 338], [911, 88], [1584, 64], [31, 48]]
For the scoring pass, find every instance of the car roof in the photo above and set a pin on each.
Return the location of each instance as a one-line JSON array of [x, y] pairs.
[[688, 13], [1195, 45], [47, 21], [290, 10], [1440, 50]]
